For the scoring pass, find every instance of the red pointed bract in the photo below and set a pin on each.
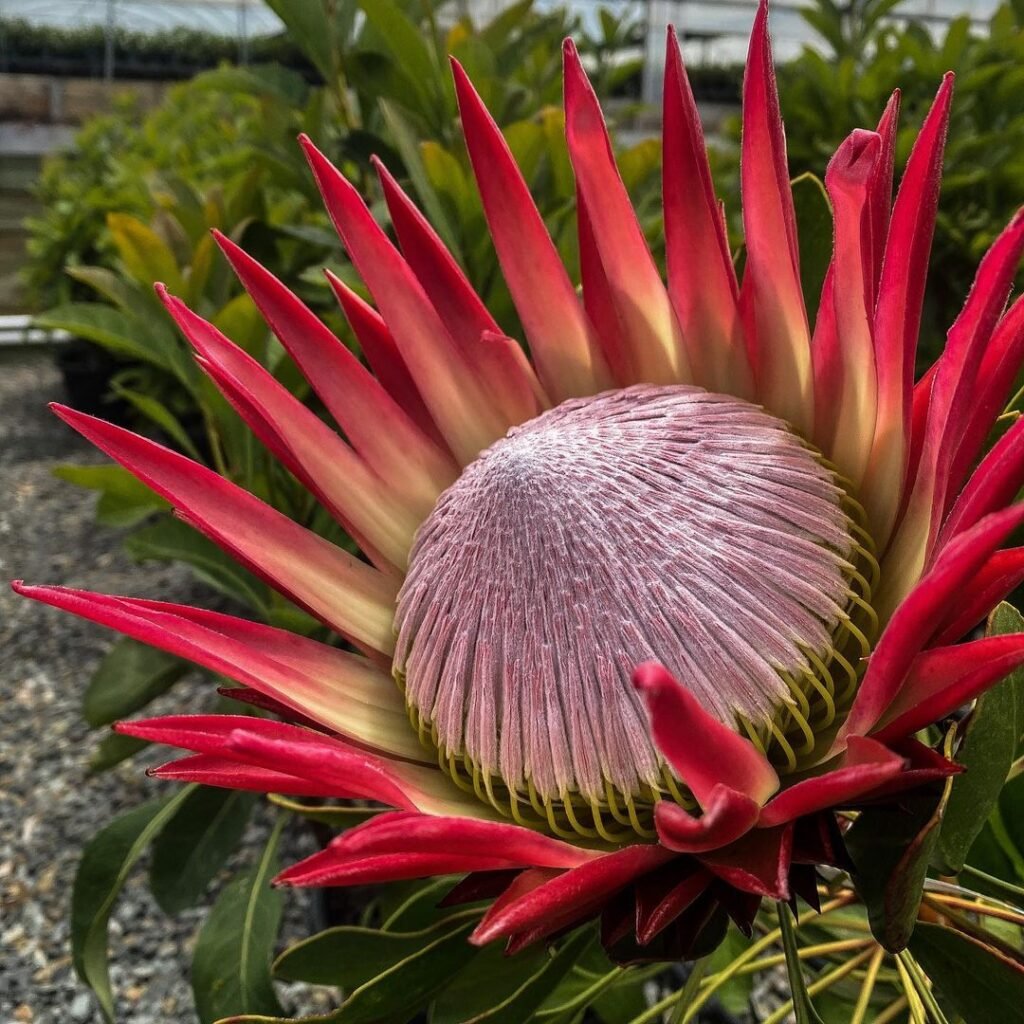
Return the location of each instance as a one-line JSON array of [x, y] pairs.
[[225, 773], [898, 311], [569, 896], [848, 180], [339, 690], [946, 678], [302, 441], [727, 816], [657, 350], [707, 304], [372, 420], [782, 360], [456, 397], [916, 620], [702, 751], [382, 354], [865, 766], [562, 343], [347, 594]]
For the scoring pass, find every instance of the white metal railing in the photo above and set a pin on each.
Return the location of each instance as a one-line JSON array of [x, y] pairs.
[[17, 330]]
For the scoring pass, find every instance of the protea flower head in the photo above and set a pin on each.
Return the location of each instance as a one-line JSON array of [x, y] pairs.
[[640, 611]]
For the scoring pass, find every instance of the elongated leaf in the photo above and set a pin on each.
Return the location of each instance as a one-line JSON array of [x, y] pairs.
[[405, 44], [116, 331], [124, 500], [105, 865], [310, 25], [128, 678], [986, 751], [145, 255], [203, 834], [814, 232], [409, 148], [116, 289], [351, 957], [520, 1004], [891, 846], [158, 413], [983, 986], [231, 965], [173, 541]]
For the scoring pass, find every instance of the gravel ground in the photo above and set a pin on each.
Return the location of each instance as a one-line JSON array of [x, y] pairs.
[[49, 805]]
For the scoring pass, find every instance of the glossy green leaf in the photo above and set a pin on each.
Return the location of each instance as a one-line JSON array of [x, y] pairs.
[[488, 980], [891, 846], [128, 678], [319, 35], [984, 986], [203, 834], [351, 957], [171, 540], [231, 964], [814, 231], [105, 865], [986, 751]]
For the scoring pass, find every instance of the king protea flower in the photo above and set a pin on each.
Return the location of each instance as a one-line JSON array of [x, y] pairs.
[[640, 611]]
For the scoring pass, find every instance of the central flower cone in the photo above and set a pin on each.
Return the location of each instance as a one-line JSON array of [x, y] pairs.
[[663, 524]]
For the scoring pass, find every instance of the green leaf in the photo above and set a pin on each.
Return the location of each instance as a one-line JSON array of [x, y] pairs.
[[112, 750], [317, 34], [173, 541], [231, 964], [891, 846], [527, 997], [803, 1008], [128, 678], [204, 833], [102, 872], [119, 332], [405, 42], [987, 750], [124, 499], [158, 413], [408, 146], [406, 971], [145, 255], [983, 986], [352, 957], [814, 231]]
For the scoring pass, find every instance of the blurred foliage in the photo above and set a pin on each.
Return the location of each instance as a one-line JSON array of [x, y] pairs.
[[206, 133], [171, 53], [871, 51]]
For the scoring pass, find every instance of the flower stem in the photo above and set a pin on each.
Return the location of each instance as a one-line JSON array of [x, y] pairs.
[[689, 990], [996, 883], [892, 1011], [921, 982], [868, 988], [824, 982]]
